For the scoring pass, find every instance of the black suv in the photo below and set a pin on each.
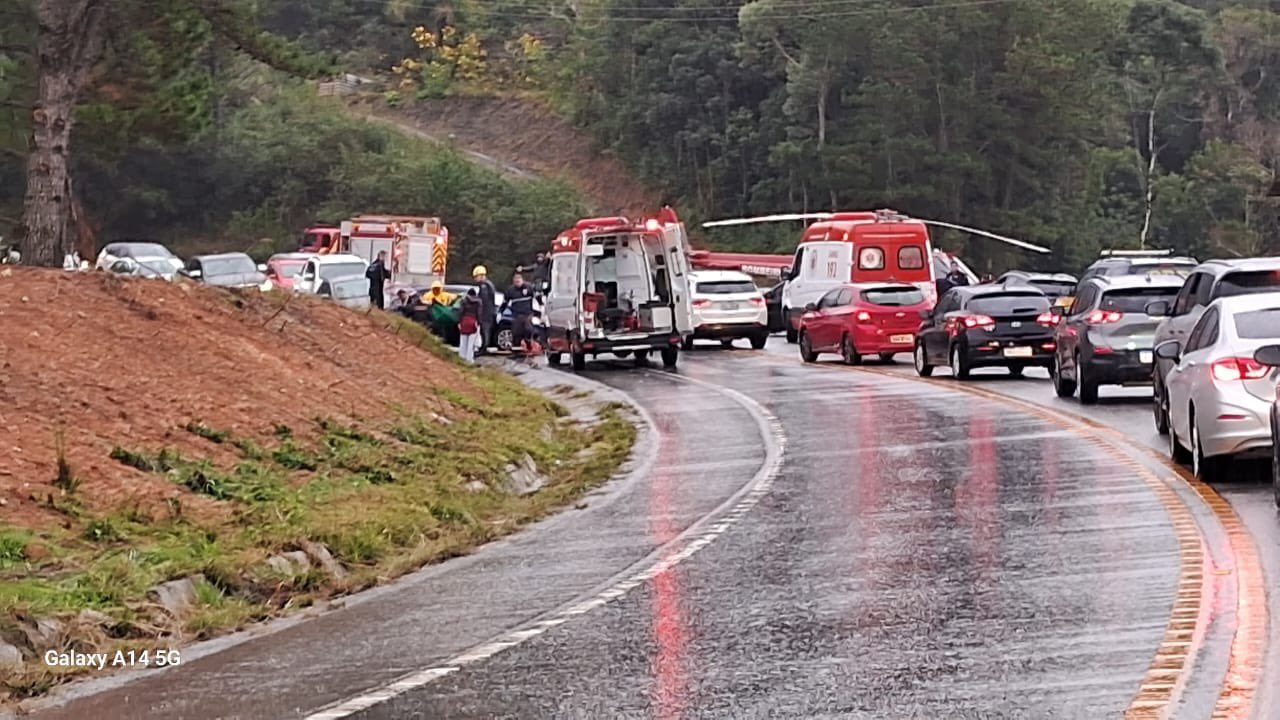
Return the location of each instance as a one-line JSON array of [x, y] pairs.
[[986, 326], [1106, 337]]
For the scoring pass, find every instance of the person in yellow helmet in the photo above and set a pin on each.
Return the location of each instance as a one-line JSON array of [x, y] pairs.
[[438, 294], [488, 306]]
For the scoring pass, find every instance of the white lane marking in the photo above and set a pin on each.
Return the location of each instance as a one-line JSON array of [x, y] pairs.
[[697, 536]]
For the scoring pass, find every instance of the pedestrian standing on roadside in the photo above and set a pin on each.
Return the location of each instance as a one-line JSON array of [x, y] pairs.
[[488, 305], [519, 299], [378, 277], [469, 326]]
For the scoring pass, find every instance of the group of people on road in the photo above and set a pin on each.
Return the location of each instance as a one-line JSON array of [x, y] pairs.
[[476, 312]]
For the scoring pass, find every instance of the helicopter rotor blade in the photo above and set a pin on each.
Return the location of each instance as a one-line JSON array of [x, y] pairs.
[[991, 235], [784, 217]]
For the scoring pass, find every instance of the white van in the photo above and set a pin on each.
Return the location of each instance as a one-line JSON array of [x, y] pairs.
[[619, 287]]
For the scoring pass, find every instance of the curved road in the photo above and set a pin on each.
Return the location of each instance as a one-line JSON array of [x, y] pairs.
[[797, 541]]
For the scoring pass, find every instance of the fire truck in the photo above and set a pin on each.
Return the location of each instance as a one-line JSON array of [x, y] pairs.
[[620, 287], [417, 247]]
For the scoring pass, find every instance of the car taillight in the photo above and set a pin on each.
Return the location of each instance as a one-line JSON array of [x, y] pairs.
[[973, 321], [1104, 317], [1048, 319], [863, 316], [1238, 368], [701, 303], [757, 301]]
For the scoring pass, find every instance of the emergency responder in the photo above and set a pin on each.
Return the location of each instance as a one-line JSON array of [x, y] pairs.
[[439, 295], [488, 305], [378, 276], [519, 299]]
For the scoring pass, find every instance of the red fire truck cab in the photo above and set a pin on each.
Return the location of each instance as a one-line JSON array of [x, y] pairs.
[[620, 287]]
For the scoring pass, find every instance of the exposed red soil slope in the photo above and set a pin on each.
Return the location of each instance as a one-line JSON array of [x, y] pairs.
[[103, 362], [524, 133]]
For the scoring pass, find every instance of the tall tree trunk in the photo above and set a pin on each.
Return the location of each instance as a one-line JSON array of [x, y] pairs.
[[69, 43], [1149, 194]]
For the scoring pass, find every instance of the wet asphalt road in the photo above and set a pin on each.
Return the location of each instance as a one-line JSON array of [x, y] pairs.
[[919, 554]]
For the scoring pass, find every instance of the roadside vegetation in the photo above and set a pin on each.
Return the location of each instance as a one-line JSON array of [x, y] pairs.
[[197, 522]]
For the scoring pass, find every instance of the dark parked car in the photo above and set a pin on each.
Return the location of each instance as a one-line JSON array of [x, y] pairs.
[[773, 303], [1106, 337], [235, 270], [1058, 287], [986, 326]]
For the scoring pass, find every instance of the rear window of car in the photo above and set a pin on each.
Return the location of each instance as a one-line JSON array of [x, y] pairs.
[[1135, 300], [910, 257], [1054, 288], [1008, 304], [1247, 283], [893, 297], [241, 265], [1258, 324], [1167, 268], [725, 287]]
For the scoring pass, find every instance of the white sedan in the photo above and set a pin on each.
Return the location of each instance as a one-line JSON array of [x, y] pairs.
[[1219, 396]]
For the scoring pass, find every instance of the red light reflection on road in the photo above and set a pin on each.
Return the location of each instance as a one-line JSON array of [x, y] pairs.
[[978, 499], [669, 632]]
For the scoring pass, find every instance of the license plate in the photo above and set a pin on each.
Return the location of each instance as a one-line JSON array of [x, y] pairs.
[[1145, 356], [901, 339], [1017, 352], [729, 306]]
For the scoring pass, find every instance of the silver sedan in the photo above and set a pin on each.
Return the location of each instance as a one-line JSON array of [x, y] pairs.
[[1219, 396]]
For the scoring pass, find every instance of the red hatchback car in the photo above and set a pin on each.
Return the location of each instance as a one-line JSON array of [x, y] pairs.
[[863, 319]]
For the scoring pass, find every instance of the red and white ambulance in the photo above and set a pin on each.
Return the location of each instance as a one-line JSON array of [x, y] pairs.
[[620, 287]]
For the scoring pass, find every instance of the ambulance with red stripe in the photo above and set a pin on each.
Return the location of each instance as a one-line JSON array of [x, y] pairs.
[[620, 287]]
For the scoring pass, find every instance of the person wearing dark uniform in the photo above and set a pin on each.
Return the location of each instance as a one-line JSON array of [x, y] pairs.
[[519, 299], [378, 276], [488, 306]]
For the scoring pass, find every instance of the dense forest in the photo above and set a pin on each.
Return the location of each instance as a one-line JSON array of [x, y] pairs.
[[1077, 124]]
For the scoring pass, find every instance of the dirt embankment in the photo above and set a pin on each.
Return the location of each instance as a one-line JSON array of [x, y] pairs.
[[524, 134], [92, 362]]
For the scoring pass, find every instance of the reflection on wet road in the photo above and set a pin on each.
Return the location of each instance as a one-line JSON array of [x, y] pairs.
[[921, 555]]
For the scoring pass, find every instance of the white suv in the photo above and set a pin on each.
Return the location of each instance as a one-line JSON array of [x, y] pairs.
[[726, 306]]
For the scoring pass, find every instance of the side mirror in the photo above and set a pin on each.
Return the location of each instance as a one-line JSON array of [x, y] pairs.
[[786, 272], [926, 314], [811, 307], [1157, 308], [193, 274], [1169, 350], [262, 267], [1058, 310], [1268, 355]]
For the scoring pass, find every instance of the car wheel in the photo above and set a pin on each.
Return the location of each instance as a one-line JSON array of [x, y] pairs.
[[579, 361], [726, 343], [687, 342], [554, 359], [849, 351], [923, 368], [1016, 371], [1177, 453], [806, 348], [1207, 469], [959, 364], [1088, 386], [503, 340], [1275, 461], [887, 357], [758, 341], [1063, 387], [669, 357], [642, 358], [1158, 409], [793, 335], [623, 354]]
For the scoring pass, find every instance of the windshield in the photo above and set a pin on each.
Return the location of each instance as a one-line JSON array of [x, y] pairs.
[[1054, 288], [235, 265], [893, 297], [1248, 283], [996, 305], [725, 287], [288, 268], [155, 266], [1259, 324], [140, 250], [1136, 299], [337, 270]]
